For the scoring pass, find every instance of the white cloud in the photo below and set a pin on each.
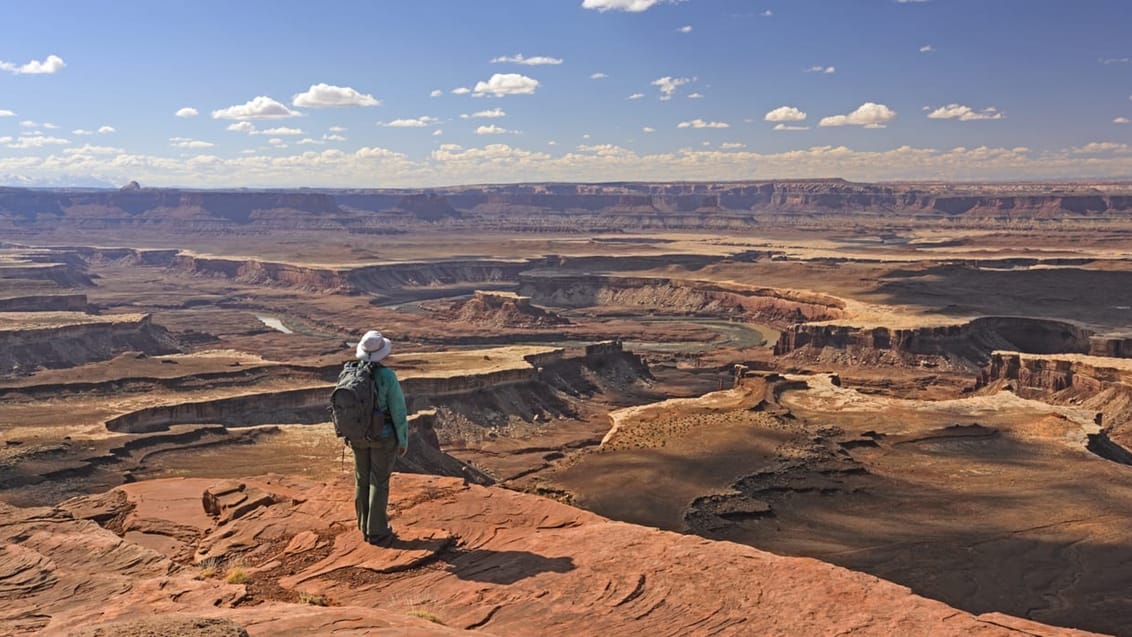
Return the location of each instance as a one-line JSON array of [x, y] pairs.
[[187, 112], [731, 145], [502, 84], [635, 96], [106, 130], [696, 96], [964, 113], [6, 113], [88, 149], [826, 70], [277, 142], [337, 129], [869, 115], [604, 150], [1115, 60], [463, 90], [649, 129], [282, 130], [308, 140], [186, 142], [329, 96], [497, 163], [586, 136], [250, 129], [419, 122], [334, 138], [518, 58], [598, 76], [53, 64], [785, 114], [1121, 120], [493, 130], [82, 131], [437, 133], [552, 143], [491, 114], [687, 28], [436, 93], [767, 13], [633, 6], [37, 141], [27, 123], [927, 48], [50, 126], [668, 85], [699, 123], [1097, 148], [789, 127], [261, 107]]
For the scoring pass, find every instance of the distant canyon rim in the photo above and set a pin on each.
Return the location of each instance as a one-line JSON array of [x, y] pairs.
[[930, 383]]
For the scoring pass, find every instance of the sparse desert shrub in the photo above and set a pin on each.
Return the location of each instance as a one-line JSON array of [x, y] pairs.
[[424, 614], [236, 575], [208, 572], [312, 599]]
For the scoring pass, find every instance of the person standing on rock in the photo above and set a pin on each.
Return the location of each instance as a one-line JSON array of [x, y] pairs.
[[373, 459]]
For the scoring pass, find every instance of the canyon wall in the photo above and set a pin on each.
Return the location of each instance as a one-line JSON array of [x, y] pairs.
[[401, 275], [309, 405], [302, 406], [256, 272], [972, 341], [1090, 382], [44, 303], [70, 345], [626, 204], [679, 296]]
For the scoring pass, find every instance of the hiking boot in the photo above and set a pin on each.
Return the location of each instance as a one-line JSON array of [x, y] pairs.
[[382, 538]]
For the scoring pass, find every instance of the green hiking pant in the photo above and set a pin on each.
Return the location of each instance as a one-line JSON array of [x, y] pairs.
[[373, 464]]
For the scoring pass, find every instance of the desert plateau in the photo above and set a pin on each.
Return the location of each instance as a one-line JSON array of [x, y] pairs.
[[566, 318], [697, 408]]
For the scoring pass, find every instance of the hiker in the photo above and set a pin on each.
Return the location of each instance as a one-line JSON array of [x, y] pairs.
[[373, 459]]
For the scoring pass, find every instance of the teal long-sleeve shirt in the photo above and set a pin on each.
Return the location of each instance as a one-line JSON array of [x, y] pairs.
[[392, 401]]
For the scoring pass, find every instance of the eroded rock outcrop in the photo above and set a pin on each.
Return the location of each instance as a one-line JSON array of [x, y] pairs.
[[502, 309], [968, 343], [65, 339], [1091, 382], [658, 294], [473, 558]]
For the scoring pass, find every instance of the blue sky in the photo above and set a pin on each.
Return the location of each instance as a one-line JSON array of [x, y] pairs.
[[431, 92]]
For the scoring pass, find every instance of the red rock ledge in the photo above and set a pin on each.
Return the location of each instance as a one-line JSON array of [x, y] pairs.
[[146, 556]]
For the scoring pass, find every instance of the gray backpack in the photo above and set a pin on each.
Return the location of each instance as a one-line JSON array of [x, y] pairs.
[[353, 403]]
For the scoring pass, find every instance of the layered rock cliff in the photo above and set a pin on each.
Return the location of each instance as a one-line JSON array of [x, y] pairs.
[[965, 343], [69, 339], [1092, 382], [655, 205], [677, 296]]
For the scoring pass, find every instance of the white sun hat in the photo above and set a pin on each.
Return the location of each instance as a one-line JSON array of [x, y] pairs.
[[373, 347]]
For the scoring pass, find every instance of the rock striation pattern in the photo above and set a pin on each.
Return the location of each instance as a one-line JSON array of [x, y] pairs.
[[1092, 382], [30, 340], [966, 343], [281, 556]]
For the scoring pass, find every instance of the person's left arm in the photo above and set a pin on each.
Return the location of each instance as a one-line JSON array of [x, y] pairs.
[[397, 410]]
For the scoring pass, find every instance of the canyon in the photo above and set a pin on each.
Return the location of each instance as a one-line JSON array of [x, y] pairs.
[[772, 407]]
